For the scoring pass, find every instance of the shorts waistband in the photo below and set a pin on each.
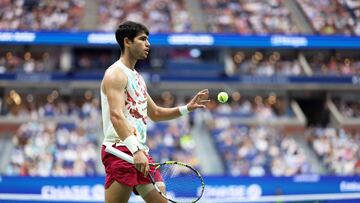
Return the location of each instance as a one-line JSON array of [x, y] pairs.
[[117, 144]]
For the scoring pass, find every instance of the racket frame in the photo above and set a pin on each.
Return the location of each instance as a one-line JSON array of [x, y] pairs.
[[122, 155]]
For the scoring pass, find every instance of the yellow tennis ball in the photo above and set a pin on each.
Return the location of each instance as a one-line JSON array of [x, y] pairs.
[[222, 97]]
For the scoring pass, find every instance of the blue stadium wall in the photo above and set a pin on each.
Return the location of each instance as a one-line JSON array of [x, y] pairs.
[[218, 189]]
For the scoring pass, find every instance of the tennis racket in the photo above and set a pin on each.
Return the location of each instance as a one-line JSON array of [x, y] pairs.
[[183, 183]]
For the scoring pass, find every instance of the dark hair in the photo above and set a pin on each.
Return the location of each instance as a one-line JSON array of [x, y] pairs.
[[130, 30]]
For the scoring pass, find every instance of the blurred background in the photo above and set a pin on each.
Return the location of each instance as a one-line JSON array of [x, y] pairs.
[[290, 131]]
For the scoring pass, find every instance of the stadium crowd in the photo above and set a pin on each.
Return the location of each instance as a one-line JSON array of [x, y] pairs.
[[70, 147], [349, 108], [328, 17], [48, 148], [247, 106], [54, 148], [255, 150], [261, 64], [159, 15], [323, 63], [28, 62], [256, 64], [41, 15], [338, 149], [248, 17], [259, 151]]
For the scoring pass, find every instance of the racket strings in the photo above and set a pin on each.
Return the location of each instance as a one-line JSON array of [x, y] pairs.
[[181, 182]]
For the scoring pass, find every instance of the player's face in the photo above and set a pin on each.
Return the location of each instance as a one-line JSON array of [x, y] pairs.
[[140, 46]]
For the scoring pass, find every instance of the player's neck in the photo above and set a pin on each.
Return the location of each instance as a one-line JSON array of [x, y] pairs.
[[129, 62]]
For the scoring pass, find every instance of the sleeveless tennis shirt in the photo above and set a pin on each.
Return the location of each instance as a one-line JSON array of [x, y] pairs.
[[135, 110]]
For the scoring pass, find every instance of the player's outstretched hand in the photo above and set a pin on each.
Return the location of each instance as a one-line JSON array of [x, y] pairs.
[[199, 100]]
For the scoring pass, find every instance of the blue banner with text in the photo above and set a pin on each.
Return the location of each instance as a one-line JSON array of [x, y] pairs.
[[218, 188], [183, 39]]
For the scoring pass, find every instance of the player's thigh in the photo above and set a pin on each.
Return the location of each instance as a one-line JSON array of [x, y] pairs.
[[151, 195], [117, 193]]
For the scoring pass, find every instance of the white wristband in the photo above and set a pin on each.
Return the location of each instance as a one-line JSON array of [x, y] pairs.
[[132, 143], [183, 110]]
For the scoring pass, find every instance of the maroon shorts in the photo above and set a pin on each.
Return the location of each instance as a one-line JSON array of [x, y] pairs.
[[123, 172]]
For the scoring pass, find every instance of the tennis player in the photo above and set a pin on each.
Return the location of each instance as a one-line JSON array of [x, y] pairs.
[[126, 107]]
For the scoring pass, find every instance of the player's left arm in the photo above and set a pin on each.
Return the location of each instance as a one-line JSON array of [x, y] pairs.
[[157, 113]]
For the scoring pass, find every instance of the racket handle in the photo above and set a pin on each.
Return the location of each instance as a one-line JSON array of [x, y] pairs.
[[119, 154]]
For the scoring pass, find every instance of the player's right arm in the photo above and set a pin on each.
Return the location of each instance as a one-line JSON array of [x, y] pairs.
[[114, 84]]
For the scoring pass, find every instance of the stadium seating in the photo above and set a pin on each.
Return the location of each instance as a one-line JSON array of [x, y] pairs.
[[248, 17], [159, 15], [338, 149], [41, 15]]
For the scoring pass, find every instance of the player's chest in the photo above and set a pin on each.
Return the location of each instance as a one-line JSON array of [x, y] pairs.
[[136, 92]]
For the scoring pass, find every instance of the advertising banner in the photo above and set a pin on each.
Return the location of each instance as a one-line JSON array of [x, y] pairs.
[[217, 189], [183, 39]]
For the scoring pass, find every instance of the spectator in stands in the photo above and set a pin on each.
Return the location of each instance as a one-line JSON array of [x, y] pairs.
[[255, 150], [336, 63], [158, 15], [41, 15], [249, 17], [338, 149], [47, 148], [327, 16], [262, 65]]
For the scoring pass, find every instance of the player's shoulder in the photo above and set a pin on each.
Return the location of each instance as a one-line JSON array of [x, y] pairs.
[[114, 74], [114, 70]]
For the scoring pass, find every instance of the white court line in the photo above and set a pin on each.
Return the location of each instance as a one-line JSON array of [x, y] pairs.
[[272, 198]]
